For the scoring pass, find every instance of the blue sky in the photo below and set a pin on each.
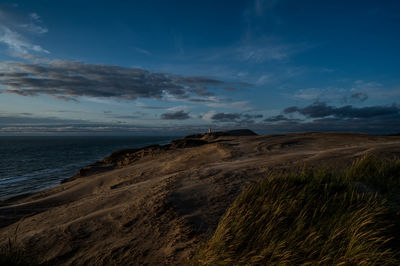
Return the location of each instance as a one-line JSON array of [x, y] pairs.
[[178, 67]]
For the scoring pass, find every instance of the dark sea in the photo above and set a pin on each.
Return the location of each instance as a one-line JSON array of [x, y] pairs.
[[29, 164]]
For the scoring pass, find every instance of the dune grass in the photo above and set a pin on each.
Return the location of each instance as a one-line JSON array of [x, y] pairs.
[[14, 254], [313, 217], [15, 257]]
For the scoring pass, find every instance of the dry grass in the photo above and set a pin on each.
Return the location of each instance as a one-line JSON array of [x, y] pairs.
[[13, 254], [318, 217]]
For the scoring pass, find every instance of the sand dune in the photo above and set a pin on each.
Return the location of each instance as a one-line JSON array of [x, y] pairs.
[[156, 205]]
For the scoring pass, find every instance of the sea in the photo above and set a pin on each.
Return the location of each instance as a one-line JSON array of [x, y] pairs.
[[30, 164]]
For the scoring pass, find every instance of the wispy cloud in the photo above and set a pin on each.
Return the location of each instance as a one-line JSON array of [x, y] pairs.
[[13, 30], [144, 106], [143, 51], [330, 93], [17, 43], [260, 54], [221, 102], [232, 104], [255, 51], [260, 10]]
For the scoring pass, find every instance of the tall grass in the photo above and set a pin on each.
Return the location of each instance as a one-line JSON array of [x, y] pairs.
[[319, 217], [14, 254]]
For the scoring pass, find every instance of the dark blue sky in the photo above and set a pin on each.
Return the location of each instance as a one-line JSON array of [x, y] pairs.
[[162, 67]]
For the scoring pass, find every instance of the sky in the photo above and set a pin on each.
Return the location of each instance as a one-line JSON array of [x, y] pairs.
[[179, 67]]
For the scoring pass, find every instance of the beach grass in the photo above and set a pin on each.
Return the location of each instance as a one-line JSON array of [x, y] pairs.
[[14, 254], [323, 216]]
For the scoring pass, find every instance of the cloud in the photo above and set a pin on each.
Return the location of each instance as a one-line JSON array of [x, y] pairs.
[[225, 117], [226, 103], [374, 125], [258, 50], [126, 116], [34, 16], [69, 80], [261, 6], [28, 119], [321, 110], [143, 51], [207, 116], [18, 44], [144, 106], [32, 28], [185, 108], [203, 91], [361, 96], [280, 118], [13, 31], [233, 117], [324, 118], [264, 79], [257, 54], [249, 116], [179, 115], [356, 91], [330, 93], [258, 13], [198, 100]]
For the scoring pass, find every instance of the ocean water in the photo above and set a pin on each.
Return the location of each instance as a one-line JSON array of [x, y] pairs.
[[29, 164]]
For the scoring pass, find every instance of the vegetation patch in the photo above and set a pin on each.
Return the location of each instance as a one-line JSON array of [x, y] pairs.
[[313, 217], [13, 254]]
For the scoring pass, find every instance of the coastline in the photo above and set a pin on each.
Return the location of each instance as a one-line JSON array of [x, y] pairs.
[[158, 203], [33, 164]]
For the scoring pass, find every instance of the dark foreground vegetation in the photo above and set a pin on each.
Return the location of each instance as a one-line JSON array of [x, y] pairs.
[[314, 217], [13, 254]]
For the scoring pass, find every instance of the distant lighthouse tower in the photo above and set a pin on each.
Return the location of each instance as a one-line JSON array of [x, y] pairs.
[[209, 130]]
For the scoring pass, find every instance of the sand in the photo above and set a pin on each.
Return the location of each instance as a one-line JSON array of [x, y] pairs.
[[158, 207]]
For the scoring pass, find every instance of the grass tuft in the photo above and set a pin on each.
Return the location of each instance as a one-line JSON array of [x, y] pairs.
[[318, 217], [13, 254]]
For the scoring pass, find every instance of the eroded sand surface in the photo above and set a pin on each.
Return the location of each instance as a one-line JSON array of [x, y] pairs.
[[157, 209]]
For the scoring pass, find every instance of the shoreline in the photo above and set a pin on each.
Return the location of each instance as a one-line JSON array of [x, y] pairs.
[[33, 164], [157, 203]]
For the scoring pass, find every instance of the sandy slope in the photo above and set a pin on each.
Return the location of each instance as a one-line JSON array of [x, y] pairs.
[[156, 209]]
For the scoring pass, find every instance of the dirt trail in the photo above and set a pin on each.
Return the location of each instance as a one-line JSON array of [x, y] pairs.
[[159, 207]]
